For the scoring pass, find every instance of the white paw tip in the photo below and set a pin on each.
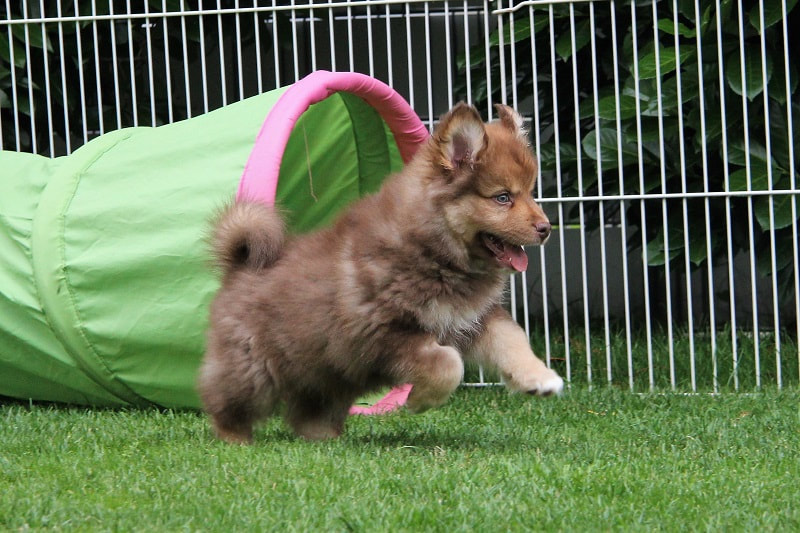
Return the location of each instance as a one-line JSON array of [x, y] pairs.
[[549, 387]]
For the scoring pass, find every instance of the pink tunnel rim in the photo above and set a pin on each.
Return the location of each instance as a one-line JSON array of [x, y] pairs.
[[259, 181]]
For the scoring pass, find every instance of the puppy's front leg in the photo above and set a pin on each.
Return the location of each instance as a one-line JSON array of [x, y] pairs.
[[504, 346], [434, 370]]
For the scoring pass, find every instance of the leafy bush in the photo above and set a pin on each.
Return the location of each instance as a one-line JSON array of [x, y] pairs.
[[666, 130], [114, 71]]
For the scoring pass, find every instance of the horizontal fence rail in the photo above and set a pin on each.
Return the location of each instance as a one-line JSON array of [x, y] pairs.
[[665, 130]]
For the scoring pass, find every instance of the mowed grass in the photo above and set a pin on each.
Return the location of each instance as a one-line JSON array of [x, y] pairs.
[[605, 459]]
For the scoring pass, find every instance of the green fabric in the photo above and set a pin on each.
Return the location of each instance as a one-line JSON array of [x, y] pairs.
[[105, 281], [346, 142]]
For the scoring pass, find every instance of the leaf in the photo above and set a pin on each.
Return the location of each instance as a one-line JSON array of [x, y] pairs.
[[34, 38], [782, 211], [697, 244], [737, 180], [609, 149], [564, 47], [666, 61], [754, 80], [777, 85], [4, 101], [773, 13], [655, 249], [668, 26], [607, 107], [547, 155], [779, 134], [758, 154]]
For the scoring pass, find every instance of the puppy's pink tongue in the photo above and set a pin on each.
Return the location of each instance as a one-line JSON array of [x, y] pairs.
[[511, 255], [517, 258], [514, 257]]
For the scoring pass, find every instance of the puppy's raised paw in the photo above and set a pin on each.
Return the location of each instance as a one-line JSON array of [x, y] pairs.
[[548, 387], [541, 382]]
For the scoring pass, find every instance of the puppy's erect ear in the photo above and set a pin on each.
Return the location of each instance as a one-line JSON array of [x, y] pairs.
[[460, 137], [511, 120]]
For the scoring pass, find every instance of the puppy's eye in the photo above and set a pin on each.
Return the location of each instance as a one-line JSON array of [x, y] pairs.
[[503, 198]]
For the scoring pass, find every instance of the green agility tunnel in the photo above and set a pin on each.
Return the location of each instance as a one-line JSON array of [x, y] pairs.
[[105, 279]]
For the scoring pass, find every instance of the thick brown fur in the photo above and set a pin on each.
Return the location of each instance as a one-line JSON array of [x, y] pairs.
[[400, 289]]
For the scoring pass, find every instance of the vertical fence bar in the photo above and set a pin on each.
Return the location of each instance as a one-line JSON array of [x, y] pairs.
[[312, 30], [370, 46], [151, 77], [792, 180], [65, 99], [81, 81], [31, 105], [332, 41], [410, 58], [468, 62], [706, 206], [487, 51], [502, 61], [581, 209], [98, 86], [167, 66], [295, 49], [600, 191], [238, 33], [501, 50], [748, 171], [729, 224], [46, 65], [561, 226], [538, 146], [221, 43], [117, 99], [643, 220], [12, 68], [185, 50], [448, 54], [664, 208], [512, 41], [515, 104], [350, 38], [428, 76], [684, 204], [203, 67], [622, 212], [771, 198], [389, 58]]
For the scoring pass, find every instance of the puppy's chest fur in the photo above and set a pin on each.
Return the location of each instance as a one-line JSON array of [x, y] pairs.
[[449, 305], [453, 323]]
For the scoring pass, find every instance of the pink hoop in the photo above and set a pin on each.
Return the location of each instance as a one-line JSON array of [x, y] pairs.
[[259, 181]]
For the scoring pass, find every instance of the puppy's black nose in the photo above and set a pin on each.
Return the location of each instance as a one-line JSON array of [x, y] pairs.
[[543, 228]]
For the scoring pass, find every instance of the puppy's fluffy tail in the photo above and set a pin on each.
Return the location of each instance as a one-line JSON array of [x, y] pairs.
[[247, 235]]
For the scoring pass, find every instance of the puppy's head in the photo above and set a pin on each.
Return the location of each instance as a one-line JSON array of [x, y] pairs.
[[489, 173]]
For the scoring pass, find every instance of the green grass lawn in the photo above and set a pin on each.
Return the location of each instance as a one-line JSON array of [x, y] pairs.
[[488, 461]]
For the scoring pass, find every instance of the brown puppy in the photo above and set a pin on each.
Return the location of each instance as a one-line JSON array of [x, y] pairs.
[[404, 285]]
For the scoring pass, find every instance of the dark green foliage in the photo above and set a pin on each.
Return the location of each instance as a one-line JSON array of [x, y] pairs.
[[141, 71], [647, 123]]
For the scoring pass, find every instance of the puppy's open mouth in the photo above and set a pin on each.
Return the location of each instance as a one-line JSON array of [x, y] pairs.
[[509, 255]]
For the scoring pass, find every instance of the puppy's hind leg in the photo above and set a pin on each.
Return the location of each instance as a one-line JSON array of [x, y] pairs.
[[235, 400], [316, 418]]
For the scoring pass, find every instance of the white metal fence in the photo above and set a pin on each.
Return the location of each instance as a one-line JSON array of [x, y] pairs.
[[666, 133]]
